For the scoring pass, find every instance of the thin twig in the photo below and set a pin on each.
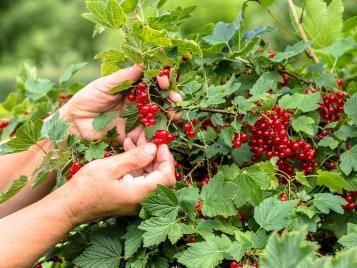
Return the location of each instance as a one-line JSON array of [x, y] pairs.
[[300, 27], [189, 174], [307, 82], [217, 111]]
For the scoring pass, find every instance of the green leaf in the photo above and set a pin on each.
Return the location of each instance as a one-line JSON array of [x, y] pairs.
[[244, 105], [217, 198], [349, 160], [36, 89], [162, 203], [251, 182], [259, 31], [265, 82], [105, 251], [350, 239], [325, 202], [26, 136], [287, 250], [266, 3], [41, 177], [321, 23], [273, 214], [303, 102], [154, 37], [72, 70], [304, 124], [329, 142], [345, 132], [223, 32], [103, 120], [41, 110], [340, 47], [157, 229], [95, 151], [129, 5], [15, 187], [55, 128], [187, 198], [125, 85], [350, 108], [133, 240], [108, 14], [186, 47], [217, 120], [202, 255], [332, 180], [110, 60], [292, 51], [132, 118]]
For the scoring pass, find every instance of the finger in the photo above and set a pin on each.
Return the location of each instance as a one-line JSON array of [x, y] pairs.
[[128, 144], [135, 134], [175, 96], [174, 115], [132, 160], [142, 139], [107, 83], [164, 82]]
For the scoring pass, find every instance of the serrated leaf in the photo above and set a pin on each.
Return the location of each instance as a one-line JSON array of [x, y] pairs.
[[340, 47], [304, 124], [187, 198], [125, 85], [133, 240], [72, 70], [105, 251], [259, 31], [110, 60], [36, 89], [350, 239], [55, 128], [186, 47], [154, 37], [223, 32], [26, 136], [95, 151], [163, 202], [103, 120], [129, 5], [202, 255], [332, 180], [323, 23], [109, 14], [217, 198], [303, 102], [41, 110], [217, 120], [15, 187], [157, 229], [329, 142], [349, 160], [251, 182], [244, 105], [132, 118], [345, 132], [325, 202], [288, 250], [292, 51], [41, 177], [350, 108], [227, 135], [265, 82], [273, 214]]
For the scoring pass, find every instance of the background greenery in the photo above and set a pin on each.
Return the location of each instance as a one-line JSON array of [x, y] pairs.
[[52, 35]]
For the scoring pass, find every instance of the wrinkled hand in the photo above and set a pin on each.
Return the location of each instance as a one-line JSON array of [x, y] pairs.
[[106, 187], [95, 99]]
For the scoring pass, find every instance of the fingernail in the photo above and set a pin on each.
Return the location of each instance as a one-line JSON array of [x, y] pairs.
[[150, 148], [176, 97]]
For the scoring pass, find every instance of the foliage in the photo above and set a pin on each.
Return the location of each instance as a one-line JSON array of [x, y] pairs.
[[268, 158]]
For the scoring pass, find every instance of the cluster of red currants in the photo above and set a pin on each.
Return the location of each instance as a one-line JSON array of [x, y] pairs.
[[165, 71], [163, 137], [189, 130], [147, 111], [4, 123], [204, 181], [74, 169], [269, 135], [239, 139], [331, 109], [350, 199], [285, 78], [324, 133]]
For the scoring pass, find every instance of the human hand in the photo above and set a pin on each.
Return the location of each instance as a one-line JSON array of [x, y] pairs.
[[95, 99], [107, 187]]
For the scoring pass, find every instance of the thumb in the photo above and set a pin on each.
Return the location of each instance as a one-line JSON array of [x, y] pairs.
[[106, 83], [137, 158]]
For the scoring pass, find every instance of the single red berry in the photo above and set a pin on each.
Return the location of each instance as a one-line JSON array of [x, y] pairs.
[[237, 144], [131, 97], [107, 154], [170, 137], [178, 176], [187, 127], [243, 137], [348, 198], [38, 265], [350, 206], [233, 264], [142, 86], [4, 123], [198, 204], [77, 165], [191, 134], [283, 197], [339, 82], [63, 95], [261, 50], [272, 53], [153, 108], [165, 72]]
